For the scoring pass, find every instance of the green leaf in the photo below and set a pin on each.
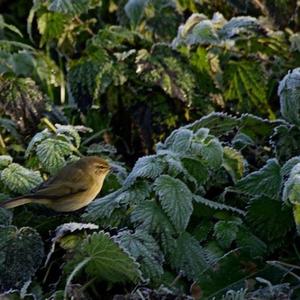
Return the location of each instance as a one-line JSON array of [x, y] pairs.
[[5, 160], [237, 27], [291, 191], [189, 256], [226, 232], [51, 153], [269, 218], [179, 141], [289, 93], [245, 82], [21, 253], [212, 152], [145, 250], [107, 260], [134, 10], [72, 7], [19, 179], [218, 123], [149, 216], [150, 166], [196, 168], [217, 205], [267, 181], [233, 162], [51, 26], [5, 216], [176, 200]]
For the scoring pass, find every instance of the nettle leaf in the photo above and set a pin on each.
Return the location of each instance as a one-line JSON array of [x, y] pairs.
[[21, 253], [5, 160], [226, 232], [267, 181], [288, 166], [19, 179], [134, 10], [149, 216], [51, 153], [189, 256], [233, 162], [250, 243], [104, 259], [150, 166], [291, 191], [239, 27], [289, 93], [217, 123], [217, 205], [72, 7], [176, 200], [179, 141], [269, 218], [145, 250], [196, 168], [71, 132], [212, 152], [102, 207]]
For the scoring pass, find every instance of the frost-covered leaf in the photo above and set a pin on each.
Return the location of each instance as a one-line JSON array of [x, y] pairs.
[[226, 232], [21, 253], [291, 191], [269, 218], [267, 181], [176, 200], [233, 162], [288, 166], [37, 138], [134, 10], [189, 256], [65, 228], [5, 160], [19, 179], [145, 250], [239, 27], [52, 152], [203, 33], [212, 152], [179, 141], [150, 166], [106, 260], [217, 123], [102, 207], [289, 93], [217, 205], [69, 131], [72, 7], [196, 168], [149, 216]]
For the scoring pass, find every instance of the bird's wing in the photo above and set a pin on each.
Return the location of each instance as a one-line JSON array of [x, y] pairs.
[[69, 181]]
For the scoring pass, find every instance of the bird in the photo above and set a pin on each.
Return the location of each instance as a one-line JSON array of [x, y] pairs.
[[73, 187]]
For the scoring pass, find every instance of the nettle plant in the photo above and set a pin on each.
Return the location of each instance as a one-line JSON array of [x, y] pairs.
[[216, 202]]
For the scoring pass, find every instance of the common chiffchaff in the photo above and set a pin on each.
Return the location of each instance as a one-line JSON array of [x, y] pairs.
[[72, 188]]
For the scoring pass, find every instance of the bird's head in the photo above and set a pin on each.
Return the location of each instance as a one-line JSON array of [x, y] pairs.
[[95, 165]]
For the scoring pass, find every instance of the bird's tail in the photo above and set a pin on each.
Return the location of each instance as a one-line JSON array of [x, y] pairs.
[[14, 202]]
